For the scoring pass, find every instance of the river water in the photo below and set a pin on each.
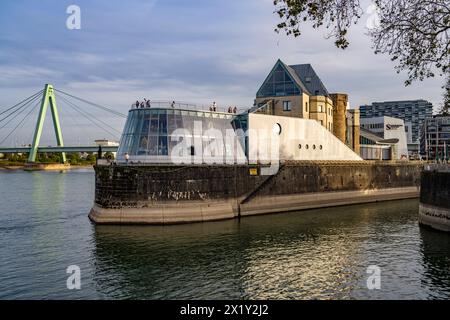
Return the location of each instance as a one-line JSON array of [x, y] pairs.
[[316, 254]]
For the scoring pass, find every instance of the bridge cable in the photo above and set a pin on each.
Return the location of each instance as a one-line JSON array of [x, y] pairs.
[[88, 117], [21, 105], [89, 114], [67, 114], [22, 109], [21, 122], [94, 104]]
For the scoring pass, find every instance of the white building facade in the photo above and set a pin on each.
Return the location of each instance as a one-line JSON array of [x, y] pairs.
[[389, 128], [298, 139]]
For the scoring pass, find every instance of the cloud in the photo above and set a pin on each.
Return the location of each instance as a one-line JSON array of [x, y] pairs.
[[179, 50], [12, 75]]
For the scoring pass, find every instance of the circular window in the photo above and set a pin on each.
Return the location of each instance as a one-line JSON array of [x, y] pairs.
[[276, 128], [299, 146], [307, 146], [320, 147], [314, 146]]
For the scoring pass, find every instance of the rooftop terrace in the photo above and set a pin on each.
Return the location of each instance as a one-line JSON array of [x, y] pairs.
[[189, 106]]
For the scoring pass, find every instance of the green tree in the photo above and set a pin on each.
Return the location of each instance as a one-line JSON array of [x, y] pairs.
[[91, 158], [74, 158], [14, 157], [445, 108], [414, 33], [109, 155]]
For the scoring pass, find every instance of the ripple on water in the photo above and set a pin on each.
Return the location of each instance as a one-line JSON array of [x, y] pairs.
[[316, 254]]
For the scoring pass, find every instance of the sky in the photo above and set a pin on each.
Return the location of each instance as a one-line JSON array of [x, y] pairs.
[[197, 51]]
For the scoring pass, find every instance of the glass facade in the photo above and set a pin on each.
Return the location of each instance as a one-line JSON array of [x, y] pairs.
[[151, 133], [279, 83], [435, 138], [366, 141], [414, 112]]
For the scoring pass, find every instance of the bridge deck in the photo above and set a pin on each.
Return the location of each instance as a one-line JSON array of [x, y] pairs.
[[67, 149]]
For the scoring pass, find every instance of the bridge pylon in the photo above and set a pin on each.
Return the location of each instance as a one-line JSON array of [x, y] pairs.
[[48, 98]]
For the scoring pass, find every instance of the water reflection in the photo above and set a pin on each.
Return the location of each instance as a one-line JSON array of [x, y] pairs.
[[435, 249], [319, 254], [44, 230]]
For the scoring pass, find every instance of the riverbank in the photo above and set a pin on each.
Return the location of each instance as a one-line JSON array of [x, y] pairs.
[[19, 167]]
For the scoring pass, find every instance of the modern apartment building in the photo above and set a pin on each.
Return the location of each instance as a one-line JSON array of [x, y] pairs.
[[435, 138], [412, 112]]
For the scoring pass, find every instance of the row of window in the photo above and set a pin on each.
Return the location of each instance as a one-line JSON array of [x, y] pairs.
[[396, 106], [329, 125], [439, 122], [307, 147], [442, 136], [287, 106], [373, 126], [365, 141], [440, 129]]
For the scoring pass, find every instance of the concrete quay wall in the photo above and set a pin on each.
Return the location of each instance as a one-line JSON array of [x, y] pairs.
[[168, 194], [434, 208]]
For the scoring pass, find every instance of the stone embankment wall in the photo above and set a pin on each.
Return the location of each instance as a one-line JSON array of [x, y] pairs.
[[435, 188], [435, 199], [199, 193]]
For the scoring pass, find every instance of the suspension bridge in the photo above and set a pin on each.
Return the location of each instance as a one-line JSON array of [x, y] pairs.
[[17, 116]]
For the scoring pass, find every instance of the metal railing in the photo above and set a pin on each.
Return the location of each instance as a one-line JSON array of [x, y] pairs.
[[440, 167], [265, 109], [188, 106]]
